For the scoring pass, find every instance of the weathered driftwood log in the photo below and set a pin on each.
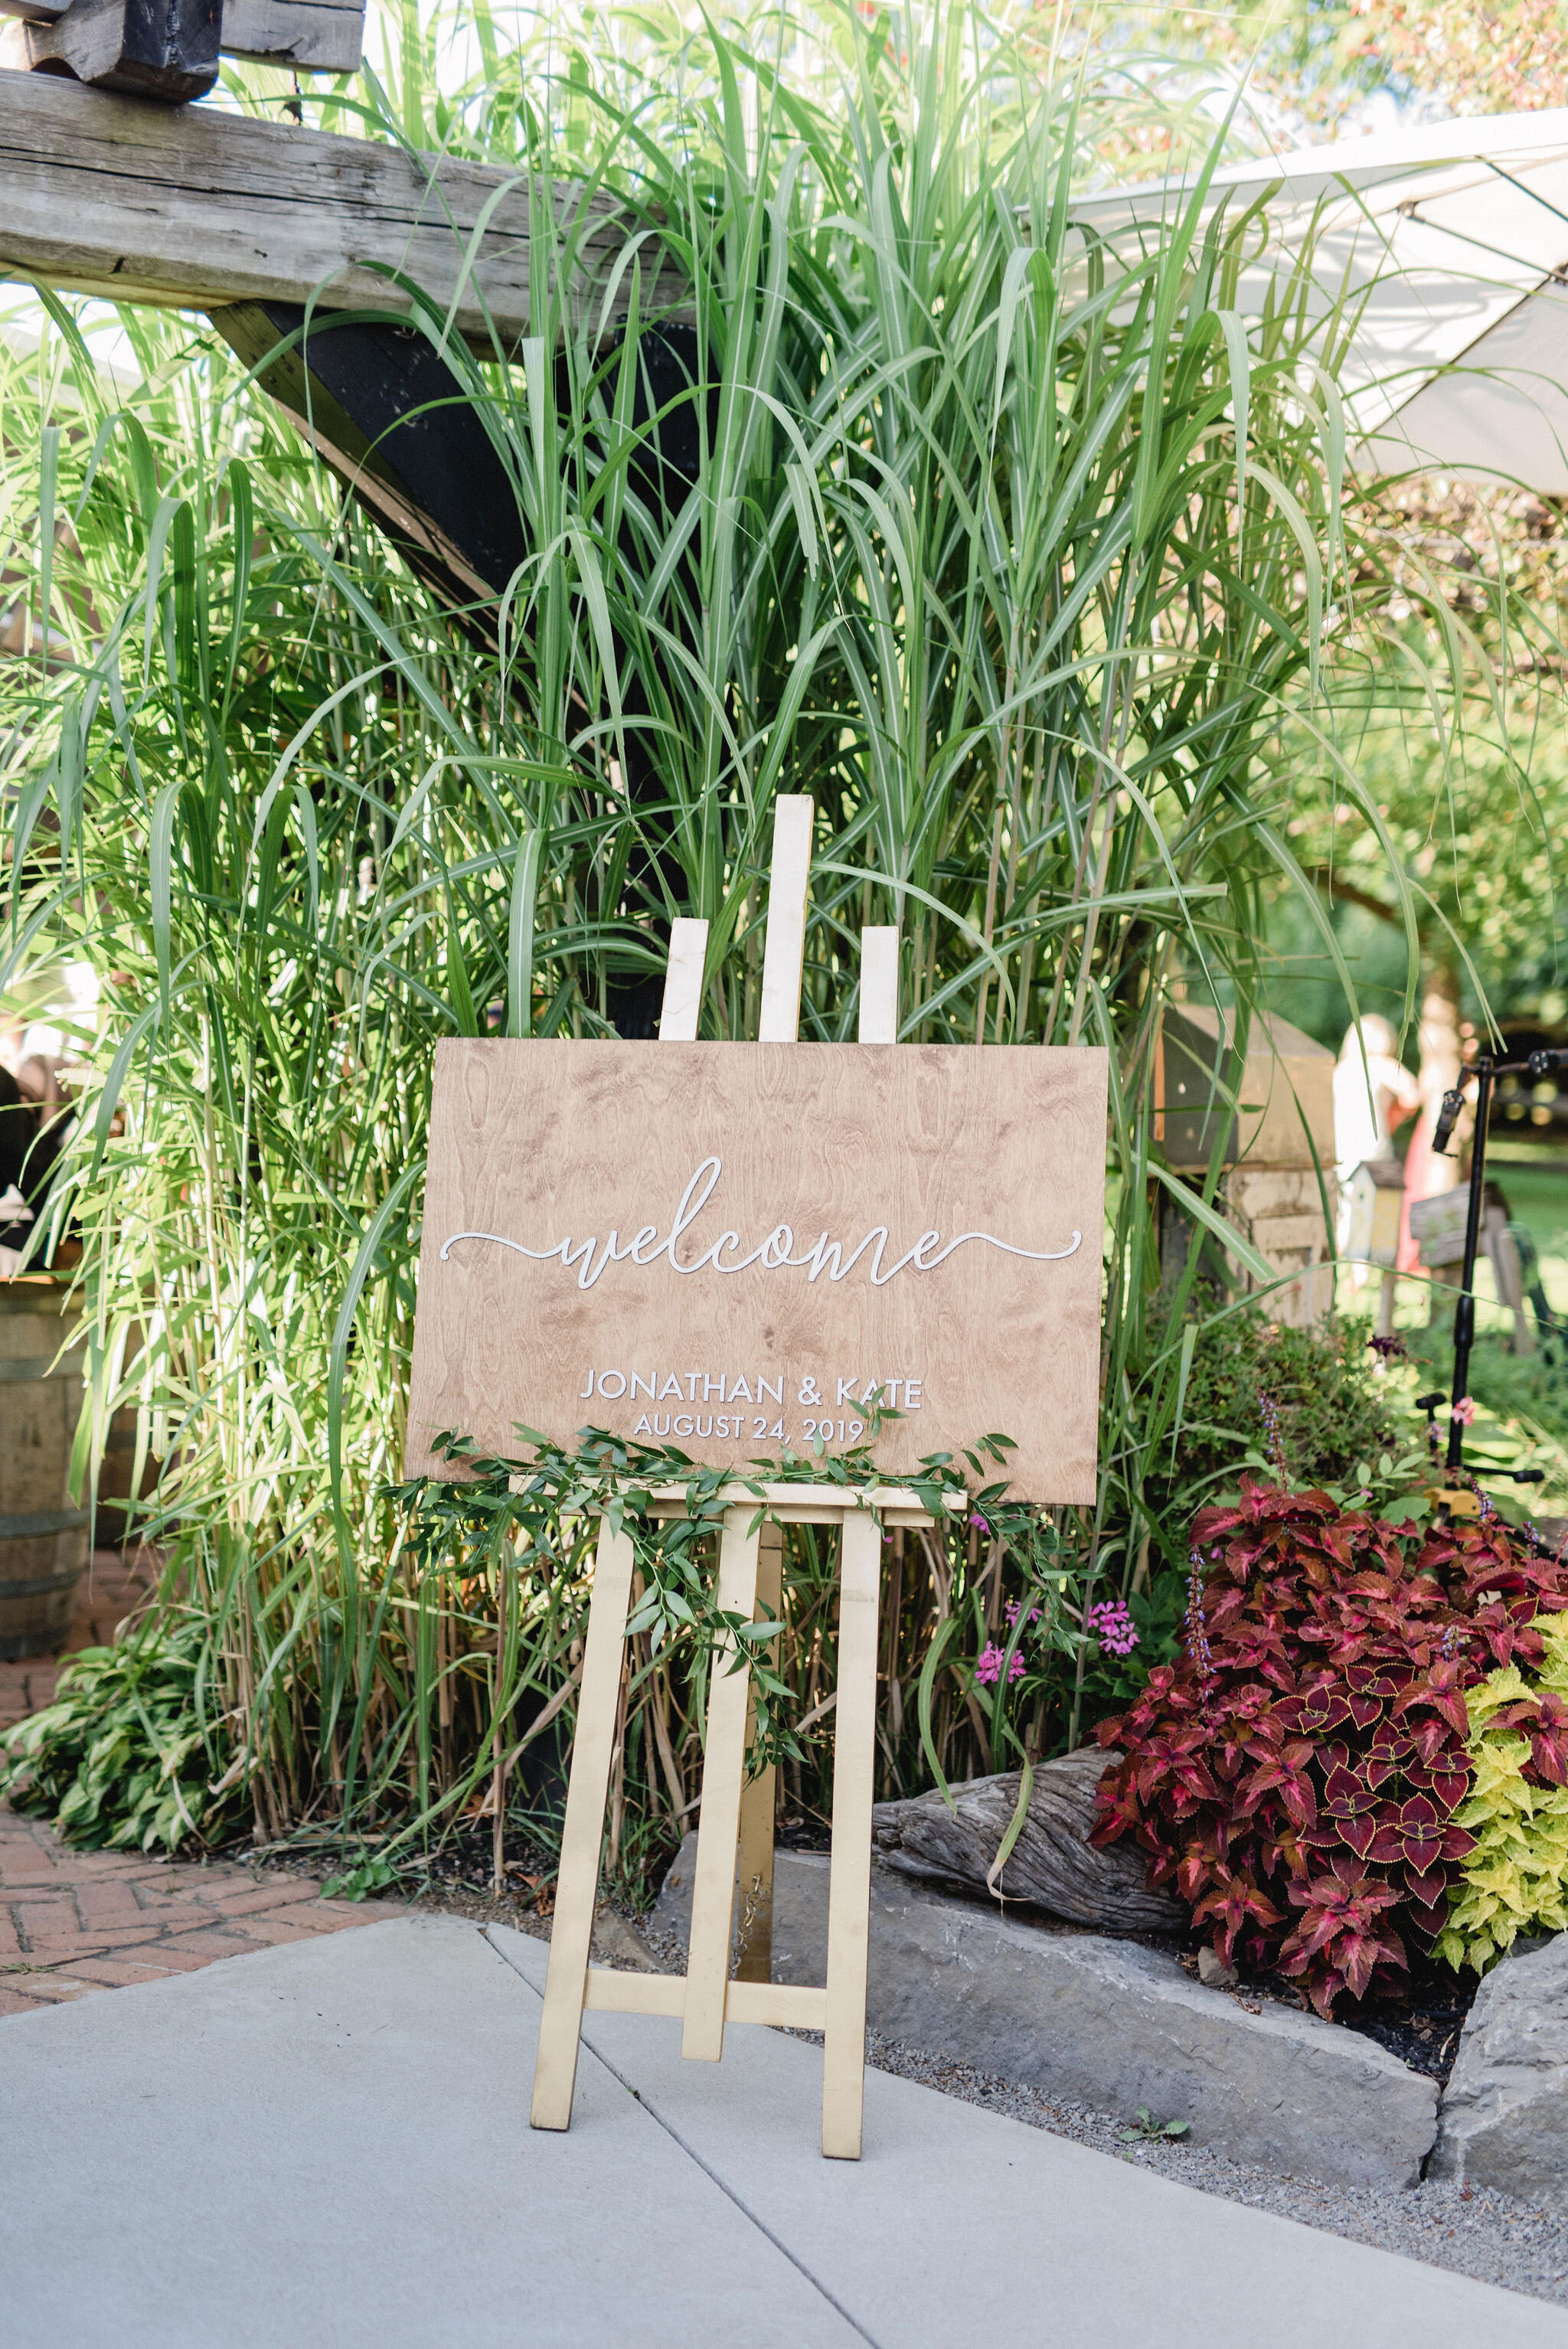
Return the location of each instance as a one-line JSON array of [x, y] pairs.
[[1053, 1866]]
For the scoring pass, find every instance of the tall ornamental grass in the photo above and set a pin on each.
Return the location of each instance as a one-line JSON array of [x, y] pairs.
[[1015, 552]]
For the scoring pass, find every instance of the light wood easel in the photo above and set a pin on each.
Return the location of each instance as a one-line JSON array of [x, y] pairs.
[[736, 1821]]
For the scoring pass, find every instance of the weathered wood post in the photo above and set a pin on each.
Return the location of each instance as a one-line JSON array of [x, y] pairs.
[[1275, 1145], [169, 49]]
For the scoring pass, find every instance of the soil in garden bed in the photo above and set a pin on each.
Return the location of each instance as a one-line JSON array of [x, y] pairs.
[[464, 1864], [802, 1835], [1421, 2027], [1424, 2034]]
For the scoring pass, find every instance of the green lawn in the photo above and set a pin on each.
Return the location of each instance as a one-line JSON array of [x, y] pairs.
[[1535, 1184]]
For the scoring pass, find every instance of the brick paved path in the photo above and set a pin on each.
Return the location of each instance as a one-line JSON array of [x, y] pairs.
[[75, 1921]]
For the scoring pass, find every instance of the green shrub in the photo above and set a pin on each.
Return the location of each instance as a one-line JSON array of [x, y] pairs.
[[1336, 1406], [121, 1756], [1516, 1879]]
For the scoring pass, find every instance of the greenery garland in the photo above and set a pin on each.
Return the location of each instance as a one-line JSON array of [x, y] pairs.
[[547, 1508]]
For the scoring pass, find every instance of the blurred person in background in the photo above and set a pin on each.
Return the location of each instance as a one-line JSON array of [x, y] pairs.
[[36, 1060], [33, 1123], [1374, 1092]]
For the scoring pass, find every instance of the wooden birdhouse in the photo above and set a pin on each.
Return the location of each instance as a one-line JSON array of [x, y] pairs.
[[1284, 1094], [1374, 1203]]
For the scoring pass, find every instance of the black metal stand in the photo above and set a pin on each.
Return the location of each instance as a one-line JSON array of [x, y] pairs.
[[1464, 1311], [1486, 1071]]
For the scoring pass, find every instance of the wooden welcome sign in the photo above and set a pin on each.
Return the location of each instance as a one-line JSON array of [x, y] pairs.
[[738, 1248], [735, 1249]]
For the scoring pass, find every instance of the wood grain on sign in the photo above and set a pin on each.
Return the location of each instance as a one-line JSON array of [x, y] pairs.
[[924, 1217]]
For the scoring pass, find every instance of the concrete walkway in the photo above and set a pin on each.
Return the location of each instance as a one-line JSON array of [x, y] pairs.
[[327, 2143]]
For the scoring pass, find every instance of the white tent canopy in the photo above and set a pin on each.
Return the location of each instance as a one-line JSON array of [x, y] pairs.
[[1450, 245]]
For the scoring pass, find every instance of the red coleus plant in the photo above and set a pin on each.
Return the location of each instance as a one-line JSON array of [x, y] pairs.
[[1296, 1771]]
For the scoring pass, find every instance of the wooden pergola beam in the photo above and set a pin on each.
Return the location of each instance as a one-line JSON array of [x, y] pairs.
[[194, 208]]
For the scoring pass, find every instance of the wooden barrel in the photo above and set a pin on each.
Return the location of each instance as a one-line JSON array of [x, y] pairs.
[[43, 1538], [118, 1460], [115, 1473]]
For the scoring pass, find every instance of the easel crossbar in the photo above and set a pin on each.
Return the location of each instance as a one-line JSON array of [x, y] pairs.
[[794, 2006], [810, 1505], [787, 1504]]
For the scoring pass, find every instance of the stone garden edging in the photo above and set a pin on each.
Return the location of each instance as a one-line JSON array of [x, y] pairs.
[[1108, 2022], [1504, 2121]]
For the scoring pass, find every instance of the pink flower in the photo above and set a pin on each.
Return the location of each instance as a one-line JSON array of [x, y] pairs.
[[977, 1519], [1463, 1413], [989, 1670], [1109, 1623]]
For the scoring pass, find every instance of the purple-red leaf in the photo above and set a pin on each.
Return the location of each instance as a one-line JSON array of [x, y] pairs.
[[1314, 1765]]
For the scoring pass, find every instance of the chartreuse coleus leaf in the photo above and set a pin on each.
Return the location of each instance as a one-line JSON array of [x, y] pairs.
[[1516, 1879]]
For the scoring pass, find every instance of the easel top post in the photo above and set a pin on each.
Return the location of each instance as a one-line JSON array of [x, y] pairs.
[[879, 987], [683, 983], [784, 957]]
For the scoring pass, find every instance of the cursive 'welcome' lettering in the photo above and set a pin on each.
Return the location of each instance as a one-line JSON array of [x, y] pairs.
[[777, 1253]]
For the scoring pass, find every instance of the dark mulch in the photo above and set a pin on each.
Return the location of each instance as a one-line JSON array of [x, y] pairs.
[[1427, 2038], [1423, 2027]]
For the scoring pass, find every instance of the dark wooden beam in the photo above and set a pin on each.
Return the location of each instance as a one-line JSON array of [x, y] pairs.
[[387, 413], [312, 35], [193, 207], [163, 49], [263, 225], [384, 410]]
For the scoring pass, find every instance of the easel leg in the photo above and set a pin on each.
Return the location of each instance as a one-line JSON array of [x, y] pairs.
[[718, 1821], [850, 1882], [760, 1798], [577, 1886]]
